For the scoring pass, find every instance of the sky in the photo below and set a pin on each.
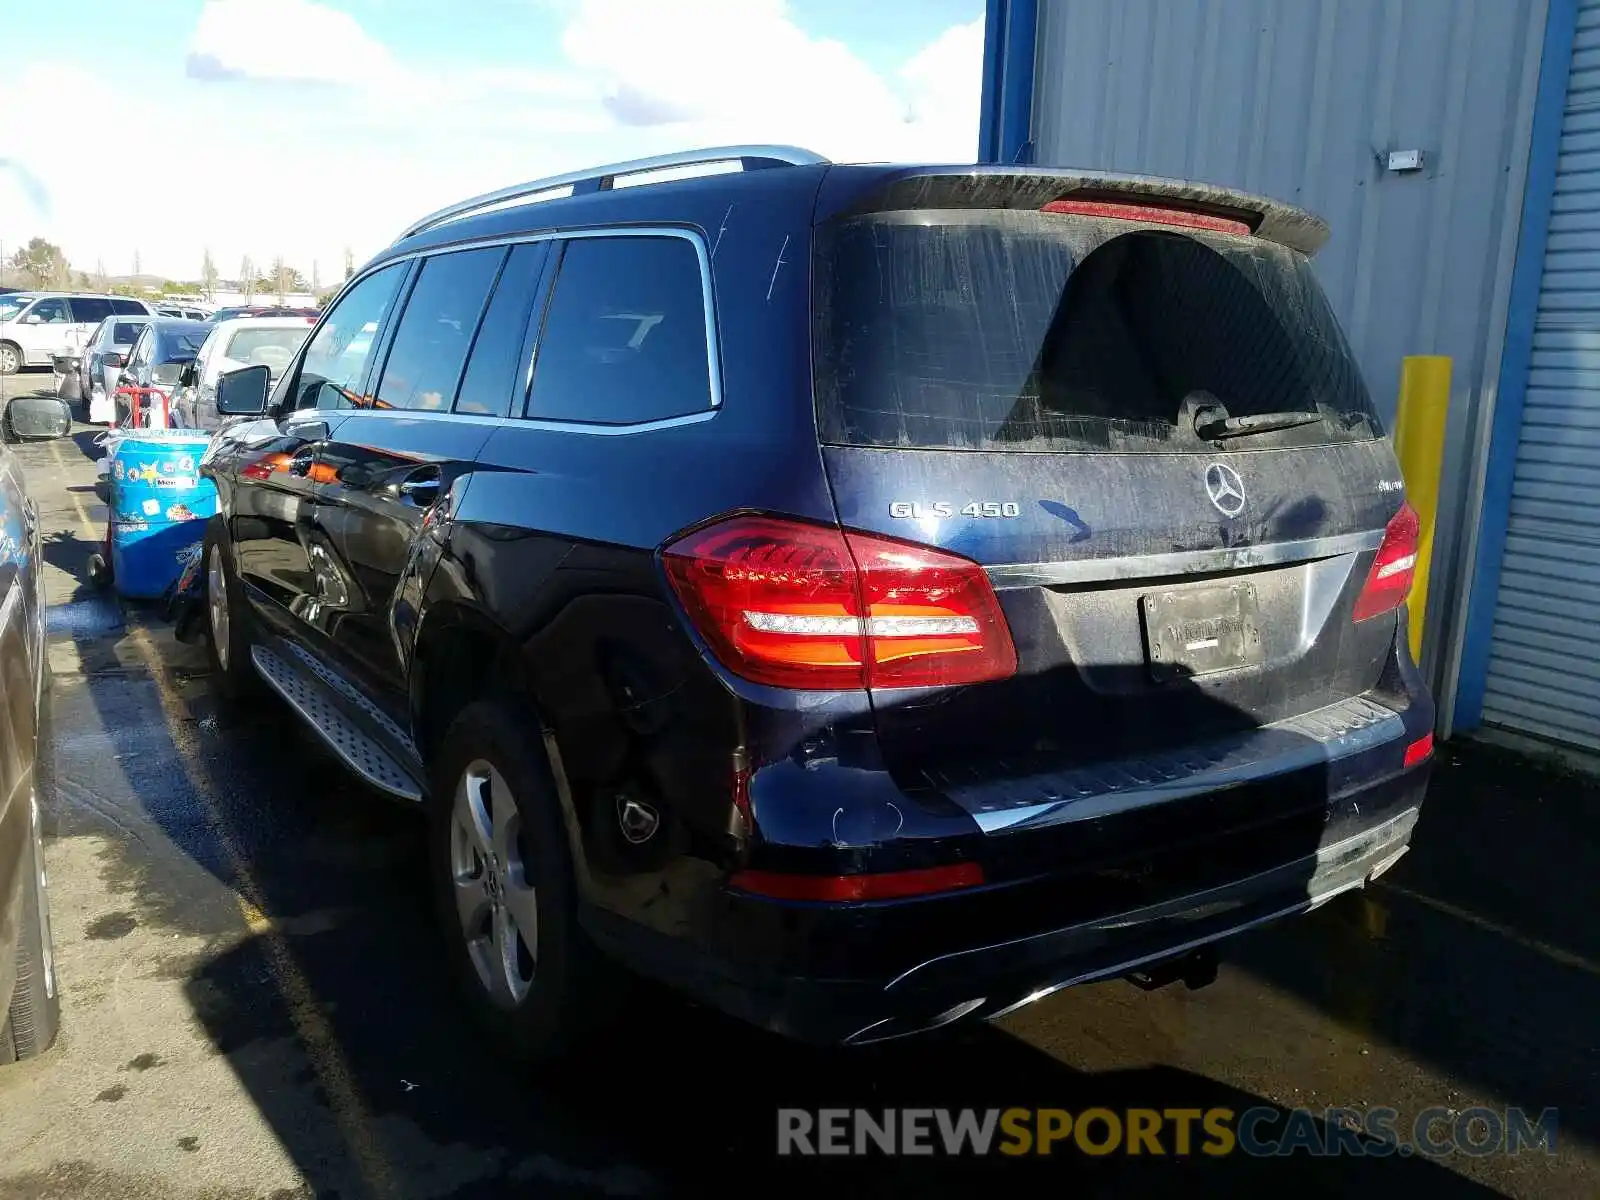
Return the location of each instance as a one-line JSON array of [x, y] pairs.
[[303, 127]]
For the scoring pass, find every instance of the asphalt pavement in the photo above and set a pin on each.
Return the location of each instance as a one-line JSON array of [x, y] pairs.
[[254, 1004]]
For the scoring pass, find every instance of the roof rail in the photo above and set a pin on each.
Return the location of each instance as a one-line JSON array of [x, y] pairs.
[[596, 179]]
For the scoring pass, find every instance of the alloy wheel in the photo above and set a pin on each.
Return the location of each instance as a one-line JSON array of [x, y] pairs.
[[217, 605], [495, 900]]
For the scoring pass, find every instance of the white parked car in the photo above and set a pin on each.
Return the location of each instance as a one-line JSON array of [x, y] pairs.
[[242, 342], [35, 326]]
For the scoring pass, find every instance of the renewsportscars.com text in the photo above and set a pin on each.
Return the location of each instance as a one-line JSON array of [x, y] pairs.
[[1214, 1132]]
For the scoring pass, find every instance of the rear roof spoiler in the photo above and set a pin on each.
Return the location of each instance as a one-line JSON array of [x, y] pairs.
[[851, 190]]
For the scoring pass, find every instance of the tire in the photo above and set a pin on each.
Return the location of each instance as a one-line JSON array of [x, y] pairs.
[[10, 358], [233, 675], [34, 1014], [570, 988]]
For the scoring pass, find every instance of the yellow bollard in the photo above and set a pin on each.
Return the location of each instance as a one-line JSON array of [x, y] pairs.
[[1419, 442]]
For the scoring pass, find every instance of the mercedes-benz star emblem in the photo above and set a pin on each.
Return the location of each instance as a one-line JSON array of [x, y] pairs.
[[1225, 488]]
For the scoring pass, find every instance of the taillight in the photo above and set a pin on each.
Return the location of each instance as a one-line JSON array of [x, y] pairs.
[[1389, 581], [1419, 751], [798, 605], [1151, 214]]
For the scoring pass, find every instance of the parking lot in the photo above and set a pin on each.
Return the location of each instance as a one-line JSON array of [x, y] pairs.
[[253, 1006]]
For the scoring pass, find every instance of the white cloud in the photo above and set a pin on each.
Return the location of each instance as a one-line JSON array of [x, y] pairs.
[[743, 70], [289, 41], [306, 171]]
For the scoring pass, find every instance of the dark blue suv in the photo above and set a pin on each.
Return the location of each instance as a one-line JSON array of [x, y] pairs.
[[862, 597]]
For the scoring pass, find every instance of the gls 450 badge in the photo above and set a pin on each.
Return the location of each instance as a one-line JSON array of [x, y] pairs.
[[916, 510]]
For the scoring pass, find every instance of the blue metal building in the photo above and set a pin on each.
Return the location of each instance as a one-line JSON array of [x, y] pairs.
[[1454, 147]]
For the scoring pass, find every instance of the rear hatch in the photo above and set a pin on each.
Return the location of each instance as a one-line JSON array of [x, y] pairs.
[[1141, 417]]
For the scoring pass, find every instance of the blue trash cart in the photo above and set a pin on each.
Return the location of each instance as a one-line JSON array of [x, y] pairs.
[[159, 504]]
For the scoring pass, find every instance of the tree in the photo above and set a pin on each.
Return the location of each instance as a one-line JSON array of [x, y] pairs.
[[208, 276], [41, 261], [285, 279], [136, 268], [83, 281], [316, 277], [100, 279], [349, 263], [247, 279]]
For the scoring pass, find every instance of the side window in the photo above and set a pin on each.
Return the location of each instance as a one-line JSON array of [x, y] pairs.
[[492, 379], [140, 355], [128, 307], [624, 338], [52, 311], [90, 309], [336, 360], [436, 328]]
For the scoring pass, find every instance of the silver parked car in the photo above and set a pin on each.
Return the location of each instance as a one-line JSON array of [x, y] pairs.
[[102, 359], [30, 1008]]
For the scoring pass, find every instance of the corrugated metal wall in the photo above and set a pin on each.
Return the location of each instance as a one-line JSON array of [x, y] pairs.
[[1544, 663], [1299, 101]]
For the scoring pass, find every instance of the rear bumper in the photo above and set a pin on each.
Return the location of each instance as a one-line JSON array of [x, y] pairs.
[[1085, 875], [1364, 833], [993, 980]]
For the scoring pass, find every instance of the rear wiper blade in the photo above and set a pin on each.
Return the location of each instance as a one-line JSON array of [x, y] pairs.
[[1232, 427]]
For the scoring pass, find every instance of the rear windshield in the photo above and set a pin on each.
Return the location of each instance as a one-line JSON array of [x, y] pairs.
[[270, 347], [124, 333], [182, 347], [1031, 331]]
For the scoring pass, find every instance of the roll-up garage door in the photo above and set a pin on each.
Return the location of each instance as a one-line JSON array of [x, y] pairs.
[[1544, 666]]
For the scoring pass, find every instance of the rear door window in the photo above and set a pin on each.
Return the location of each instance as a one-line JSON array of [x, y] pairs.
[[436, 329], [89, 310], [494, 372], [128, 307], [624, 339], [1033, 331]]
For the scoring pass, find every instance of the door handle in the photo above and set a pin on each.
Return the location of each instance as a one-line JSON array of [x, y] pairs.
[[422, 488]]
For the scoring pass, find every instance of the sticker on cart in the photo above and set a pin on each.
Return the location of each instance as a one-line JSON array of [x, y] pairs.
[[152, 507], [180, 512]]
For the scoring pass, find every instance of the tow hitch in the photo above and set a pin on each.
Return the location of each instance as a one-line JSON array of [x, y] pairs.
[[1197, 969]]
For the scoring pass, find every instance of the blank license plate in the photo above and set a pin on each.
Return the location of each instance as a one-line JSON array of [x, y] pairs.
[[1200, 630]]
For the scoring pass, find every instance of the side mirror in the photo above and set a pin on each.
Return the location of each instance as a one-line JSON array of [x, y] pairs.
[[244, 392], [33, 319]]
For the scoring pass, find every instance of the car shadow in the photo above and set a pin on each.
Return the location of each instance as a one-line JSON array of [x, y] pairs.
[[683, 1101], [1474, 952], [83, 437]]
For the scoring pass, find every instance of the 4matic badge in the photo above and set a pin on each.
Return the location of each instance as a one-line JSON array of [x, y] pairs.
[[917, 510]]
